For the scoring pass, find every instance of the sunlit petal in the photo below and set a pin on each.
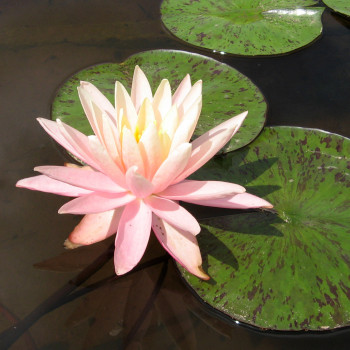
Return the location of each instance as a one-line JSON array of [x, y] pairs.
[[46, 184], [96, 203], [200, 190], [238, 201], [173, 213], [137, 184], [162, 100], [181, 245], [140, 88], [207, 145], [172, 167], [132, 237], [88, 179], [96, 227]]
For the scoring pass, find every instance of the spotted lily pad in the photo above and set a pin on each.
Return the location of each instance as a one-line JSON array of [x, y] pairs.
[[226, 92], [289, 269], [244, 27], [341, 6]]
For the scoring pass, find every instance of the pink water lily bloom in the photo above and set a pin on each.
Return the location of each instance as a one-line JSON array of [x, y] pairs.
[[137, 163]]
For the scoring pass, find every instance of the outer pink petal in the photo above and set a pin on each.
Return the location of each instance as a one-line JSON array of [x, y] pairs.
[[239, 201], [46, 184], [207, 145], [140, 88], [98, 98], [173, 213], [137, 184], [84, 178], [171, 167], [183, 89], [200, 190], [96, 203], [96, 227], [181, 245], [132, 237], [53, 129]]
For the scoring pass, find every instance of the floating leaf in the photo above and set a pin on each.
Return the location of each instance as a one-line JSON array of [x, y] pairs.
[[226, 92], [341, 6], [287, 270], [244, 27]]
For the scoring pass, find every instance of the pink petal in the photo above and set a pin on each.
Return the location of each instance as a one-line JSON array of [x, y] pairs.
[[96, 227], [96, 203], [137, 184], [98, 98], [105, 162], [123, 101], [200, 190], [171, 167], [53, 129], [238, 201], [191, 98], [131, 152], [140, 88], [173, 213], [151, 150], [81, 177], [207, 145], [132, 237], [187, 125], [181, 245], [162, 100], [46, 184], [183, 89]]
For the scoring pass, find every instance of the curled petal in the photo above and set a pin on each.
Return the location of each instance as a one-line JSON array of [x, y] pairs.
[[96, 203], [173, 213], [47, 184], [207, 145], [140, 88], [96, 227], [181, 245], [200, 190], [238, 201], [81, 177], [132, 237], [137, 184]]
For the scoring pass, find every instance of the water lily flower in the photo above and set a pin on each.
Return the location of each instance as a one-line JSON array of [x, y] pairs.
[[137, 163]]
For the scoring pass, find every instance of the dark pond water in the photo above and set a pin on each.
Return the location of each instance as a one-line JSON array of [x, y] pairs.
[[42, 43]]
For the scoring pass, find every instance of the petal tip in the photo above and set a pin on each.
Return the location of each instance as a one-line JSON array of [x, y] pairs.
[[68, 244]]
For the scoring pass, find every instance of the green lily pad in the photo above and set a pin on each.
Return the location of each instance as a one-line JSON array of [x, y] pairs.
[[226, 92], [244, 27], [341, 6], [288, 269]]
